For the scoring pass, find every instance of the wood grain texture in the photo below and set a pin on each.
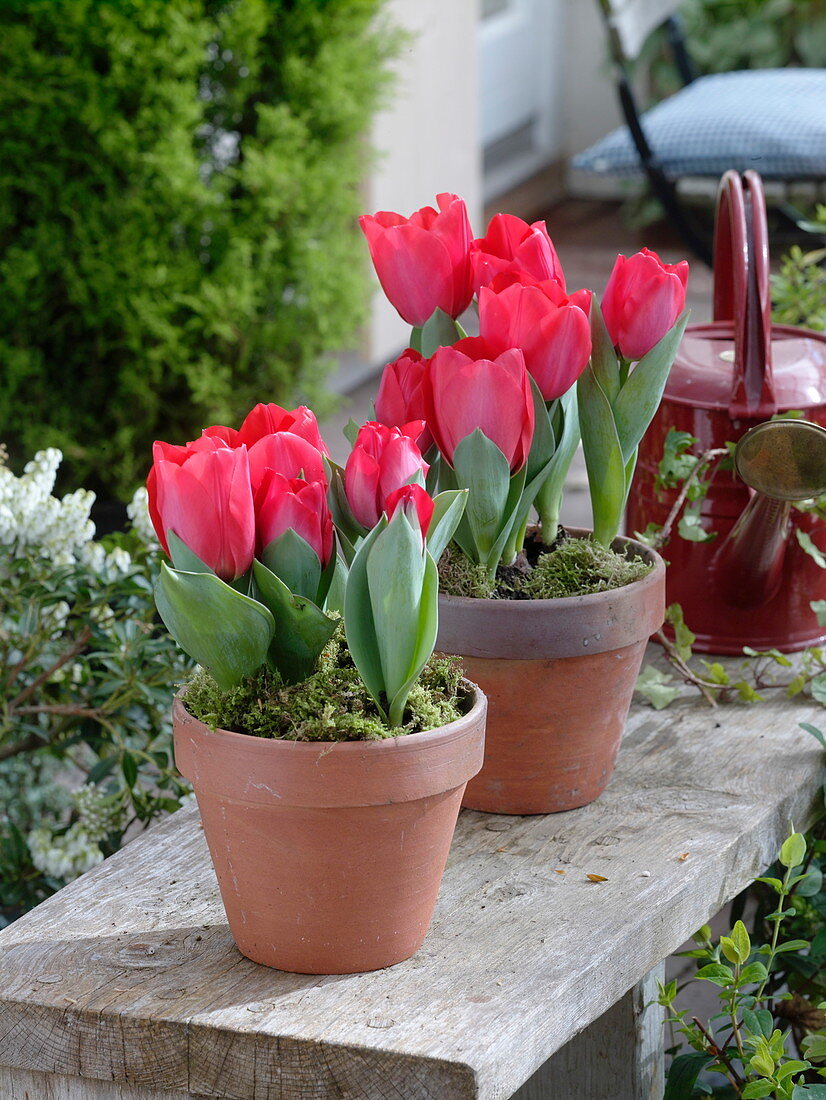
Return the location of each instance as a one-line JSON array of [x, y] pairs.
[[26, 1084], [619, 1057], [130, 975]]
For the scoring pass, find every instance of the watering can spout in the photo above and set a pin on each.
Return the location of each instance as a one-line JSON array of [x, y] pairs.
[[782, 461]]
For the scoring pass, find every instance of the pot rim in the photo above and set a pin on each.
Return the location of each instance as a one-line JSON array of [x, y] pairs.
[[327, 774], [563, 626], [474, 692], [565, 602]]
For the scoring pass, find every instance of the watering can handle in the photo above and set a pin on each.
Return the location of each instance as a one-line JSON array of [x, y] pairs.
[[741, 290]]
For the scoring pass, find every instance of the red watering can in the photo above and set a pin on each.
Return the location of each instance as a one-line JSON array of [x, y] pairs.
[[752, 584]]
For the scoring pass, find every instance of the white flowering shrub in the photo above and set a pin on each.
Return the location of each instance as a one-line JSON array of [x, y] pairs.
[[88, 676]]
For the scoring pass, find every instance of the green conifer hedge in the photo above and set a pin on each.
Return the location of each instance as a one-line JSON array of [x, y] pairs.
[[178, 189]]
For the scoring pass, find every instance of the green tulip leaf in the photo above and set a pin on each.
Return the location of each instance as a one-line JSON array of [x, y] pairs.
[[183, 558], [342, 514], [359, 628], [603, 457], [544, 443], [640, 397], [427, 630], [301, 628], [294, 562], [481, 467], [334, 600], [548, 496], [603, 361], [396, 565], [448, 509], [438, 331], [222, 629], [350, 432]]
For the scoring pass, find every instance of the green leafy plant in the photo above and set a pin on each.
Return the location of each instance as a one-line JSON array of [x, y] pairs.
[[178, 199], [760, 1043], [85, 736], [799, 287]]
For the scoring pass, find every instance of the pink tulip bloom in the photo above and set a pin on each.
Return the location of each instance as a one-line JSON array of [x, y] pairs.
[[400, 399], [422, 261], [471, 385], [514, 246], [286, 454], [552, 330], [642, 301], [266, 419], [284, 503], [382, 459], [416, 504], [204, 496]]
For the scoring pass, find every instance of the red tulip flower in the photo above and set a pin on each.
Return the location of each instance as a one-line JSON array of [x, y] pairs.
[[472, 385], [382, 459], [552, 330], [422, 261], [266, 419], [286, 454], [642, 301], [416, 504], [514, 246], [202, 493], [283, 503], [400, 399]]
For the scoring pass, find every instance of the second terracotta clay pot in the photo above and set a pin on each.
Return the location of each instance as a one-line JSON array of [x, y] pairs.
[[559, 676], [329, 855]]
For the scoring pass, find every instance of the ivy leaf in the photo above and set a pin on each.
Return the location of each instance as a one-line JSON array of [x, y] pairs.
[[676, 463], [690, 527], [819, 608], [656, 686], [756, 1089], [683, 1073], [746, 692], [818, 688], [717, 973], [809, 547], [793, 851], [814, 731], [753, 973]]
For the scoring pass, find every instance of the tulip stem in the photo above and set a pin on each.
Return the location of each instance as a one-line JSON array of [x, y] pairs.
[[548, 504]]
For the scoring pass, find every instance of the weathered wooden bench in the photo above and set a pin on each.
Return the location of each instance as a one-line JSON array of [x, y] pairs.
[[127, 985]]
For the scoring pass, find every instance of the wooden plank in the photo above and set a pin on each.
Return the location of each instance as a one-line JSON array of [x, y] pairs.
[[24, 1084], [129, 974], [620, 1055]]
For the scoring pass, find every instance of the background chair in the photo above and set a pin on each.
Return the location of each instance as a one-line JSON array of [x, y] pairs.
[[771, 120]]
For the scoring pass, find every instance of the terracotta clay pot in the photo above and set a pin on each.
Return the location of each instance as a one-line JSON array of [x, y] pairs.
[[559, 676], [329, 855]]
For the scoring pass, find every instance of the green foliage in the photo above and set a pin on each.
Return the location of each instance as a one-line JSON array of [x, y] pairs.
[[742, 34], [768, 1035], [573, 567], [616, 405], [331, 705], [799, 288], [178, 199], [87, 677]]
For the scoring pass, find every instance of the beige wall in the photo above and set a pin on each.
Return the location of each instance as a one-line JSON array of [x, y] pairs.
[[426, 141]]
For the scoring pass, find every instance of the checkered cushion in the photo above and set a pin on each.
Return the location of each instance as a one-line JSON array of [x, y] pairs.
[[772, 120]]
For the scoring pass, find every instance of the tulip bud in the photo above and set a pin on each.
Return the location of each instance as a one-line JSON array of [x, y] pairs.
[[264, 420], [286, 454], [470, 386], [284, 503], [422, 261], [202, 492], [416, 504], [511, 245], [382, 459], [552, 330], [642, 301], [400, 399]]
